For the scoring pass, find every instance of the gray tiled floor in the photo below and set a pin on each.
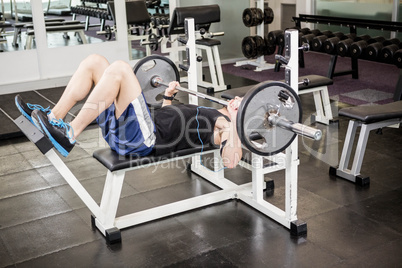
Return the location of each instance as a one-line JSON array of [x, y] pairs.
[[44, 224]]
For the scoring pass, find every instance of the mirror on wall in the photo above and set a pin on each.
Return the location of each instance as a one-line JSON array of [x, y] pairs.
[[365, 10], [77, 22], [13, 15]]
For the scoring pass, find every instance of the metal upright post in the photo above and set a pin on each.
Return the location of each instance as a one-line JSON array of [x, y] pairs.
[[291, 77]]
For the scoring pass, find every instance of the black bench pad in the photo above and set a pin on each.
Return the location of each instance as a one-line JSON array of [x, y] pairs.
[[113, 161], [54, 23], [61, 28], [315, 81], [374, 113], [208, 42]]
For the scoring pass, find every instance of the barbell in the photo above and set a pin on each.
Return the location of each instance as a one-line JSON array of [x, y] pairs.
[[268, 118]]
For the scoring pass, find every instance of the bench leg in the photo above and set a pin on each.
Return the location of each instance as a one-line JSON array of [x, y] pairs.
[[28, 42], [109, 204], [326, 103], [212, 69], [17, 33], [82, 36], [323, 105], [353, 174], [219, 72], [215, 68]]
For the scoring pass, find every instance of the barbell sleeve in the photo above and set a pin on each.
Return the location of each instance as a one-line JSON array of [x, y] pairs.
[[297, 128]]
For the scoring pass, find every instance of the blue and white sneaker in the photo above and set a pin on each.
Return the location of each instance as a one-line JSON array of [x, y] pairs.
[[27, 108], [59, 133]]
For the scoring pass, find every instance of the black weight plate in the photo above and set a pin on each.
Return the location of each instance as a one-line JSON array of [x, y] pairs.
[[268, 15], [260, 45], [259, 16], [269, 47], [249, 47], [248, 17], [253, 128]]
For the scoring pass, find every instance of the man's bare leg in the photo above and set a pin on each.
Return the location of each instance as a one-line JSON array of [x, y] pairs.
[[88, 73], [117, 84]]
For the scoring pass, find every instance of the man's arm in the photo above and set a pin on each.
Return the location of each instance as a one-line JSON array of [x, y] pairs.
[[231, 150], [170, 92]]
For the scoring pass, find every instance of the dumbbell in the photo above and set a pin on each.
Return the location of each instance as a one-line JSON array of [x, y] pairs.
[[273, 36], [358, 49], [317, 42], [329, 45]]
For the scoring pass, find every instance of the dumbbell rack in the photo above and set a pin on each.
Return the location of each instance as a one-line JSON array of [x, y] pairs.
[[353, 25], [259, 62], [100, 11]]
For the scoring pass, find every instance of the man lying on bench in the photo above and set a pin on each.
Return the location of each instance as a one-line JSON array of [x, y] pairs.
[[118, 105]]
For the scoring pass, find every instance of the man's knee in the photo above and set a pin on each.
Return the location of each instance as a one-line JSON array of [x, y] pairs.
[[119, 68], [95, 61]]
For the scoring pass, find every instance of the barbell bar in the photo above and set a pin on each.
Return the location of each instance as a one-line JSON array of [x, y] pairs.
[[157, 81]]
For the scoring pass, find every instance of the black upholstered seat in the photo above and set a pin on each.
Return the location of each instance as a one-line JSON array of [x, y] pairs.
[[112, 161], [374, 113], [66, 28], [207, 42], [315, 81]]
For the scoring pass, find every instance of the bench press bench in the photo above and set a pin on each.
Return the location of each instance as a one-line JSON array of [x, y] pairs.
[[104, 214], [284, 157], [318, 85], [69, 27], [368, 118]]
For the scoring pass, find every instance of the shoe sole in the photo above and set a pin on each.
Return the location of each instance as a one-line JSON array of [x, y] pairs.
[[57, 145], [23, 112]]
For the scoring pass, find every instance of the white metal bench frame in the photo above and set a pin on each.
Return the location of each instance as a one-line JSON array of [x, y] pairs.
[[322, 103]]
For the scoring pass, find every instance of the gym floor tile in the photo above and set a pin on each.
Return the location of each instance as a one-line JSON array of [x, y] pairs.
[[91, 254], [176, 192], [6, 148], [340, 191], [382, 209], [53, 233], [384, 255], [21, 183], [226, 223], [369, 95], [13, 163], [346, 233], [162, 176], [385, 170], [268, 250], [51, 176], [22, 144], [94, 187], [214, 259], [86, 168], [31, 206], [160, 243], [36, 159], [308, 203], [5, 258]]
